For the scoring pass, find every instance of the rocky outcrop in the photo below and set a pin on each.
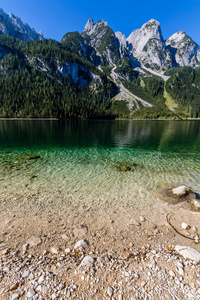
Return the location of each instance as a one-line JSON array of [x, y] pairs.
[[123, 44], [78, 74], [184, 50], [148, 46], [103, 40], [13, 26]]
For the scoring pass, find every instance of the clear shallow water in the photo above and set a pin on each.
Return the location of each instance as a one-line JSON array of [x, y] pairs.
[[79, 160]]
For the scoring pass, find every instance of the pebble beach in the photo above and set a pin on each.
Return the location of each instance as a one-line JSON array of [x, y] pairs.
[[83, 252]]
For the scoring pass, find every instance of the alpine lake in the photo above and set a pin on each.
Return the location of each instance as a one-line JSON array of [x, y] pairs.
[[96, 163]]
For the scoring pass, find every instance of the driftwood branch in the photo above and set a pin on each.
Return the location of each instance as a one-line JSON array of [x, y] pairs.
[[185, 236]]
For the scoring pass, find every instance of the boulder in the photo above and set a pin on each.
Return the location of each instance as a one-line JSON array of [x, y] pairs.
[[181, 191]]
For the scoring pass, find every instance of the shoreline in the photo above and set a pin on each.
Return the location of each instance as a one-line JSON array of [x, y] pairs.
[[56, 119]]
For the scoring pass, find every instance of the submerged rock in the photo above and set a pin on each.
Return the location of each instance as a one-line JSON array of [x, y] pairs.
[[126, 166], [177, 195]]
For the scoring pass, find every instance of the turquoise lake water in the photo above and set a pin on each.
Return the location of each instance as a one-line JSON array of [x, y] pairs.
[[80, 159]]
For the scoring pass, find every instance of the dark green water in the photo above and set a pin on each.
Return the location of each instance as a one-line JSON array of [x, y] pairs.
[[82, 157]]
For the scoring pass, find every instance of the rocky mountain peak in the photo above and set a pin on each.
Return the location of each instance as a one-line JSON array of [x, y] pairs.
[[148, 46], [92, 27], [89, 25], [185, 51]]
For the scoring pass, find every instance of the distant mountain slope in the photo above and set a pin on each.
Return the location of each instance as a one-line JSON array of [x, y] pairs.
[[13, 26]]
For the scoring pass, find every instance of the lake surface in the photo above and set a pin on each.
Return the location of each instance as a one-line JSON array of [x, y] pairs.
[[82, 161]]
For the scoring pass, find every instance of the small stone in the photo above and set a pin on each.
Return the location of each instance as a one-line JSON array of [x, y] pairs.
[[25, 247], [14, 286], [30, 293], [87, 261], [180, 271], [81, 231], [14, 297], [194, 229], [41, 288], [143, 283], [110, 291], [65, 237], [185, 226], [41, 279], [196, 239], [54, 296], [5, 252], [81, 243], [68, 294], [54, 250], [26, 274], [142, 219], [31, 276], [2, 245], [67, 250], [188, 252], [34, 241], [135, 223], [62, 285], [172, 274]]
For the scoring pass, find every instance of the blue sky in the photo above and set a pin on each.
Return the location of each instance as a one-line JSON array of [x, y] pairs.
[[55, 18]]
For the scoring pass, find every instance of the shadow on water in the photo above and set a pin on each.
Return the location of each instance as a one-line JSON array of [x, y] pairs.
[[163, 136]]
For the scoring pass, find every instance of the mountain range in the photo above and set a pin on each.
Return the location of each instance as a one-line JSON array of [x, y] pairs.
[[98, 73]]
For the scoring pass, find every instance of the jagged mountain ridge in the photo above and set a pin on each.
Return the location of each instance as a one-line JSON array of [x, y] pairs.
[[13, 26], [146, 45], [107, 64]]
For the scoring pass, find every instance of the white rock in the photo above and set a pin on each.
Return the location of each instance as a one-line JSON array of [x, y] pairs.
[[135, 223], [180, 271], [54, 250], [142, 219], [68, 294], [41, 279], [185, 226], [181, 190], [25, 247], [41, 288], [26, 274], [14, 297], [81, 243], [30, 293], [172, 274], [67, 250], [110, 291], [188, 252], [87, 261], [34, 241], [65, 237]]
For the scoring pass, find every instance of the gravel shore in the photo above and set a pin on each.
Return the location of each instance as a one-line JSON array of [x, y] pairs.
[[85, 253]]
